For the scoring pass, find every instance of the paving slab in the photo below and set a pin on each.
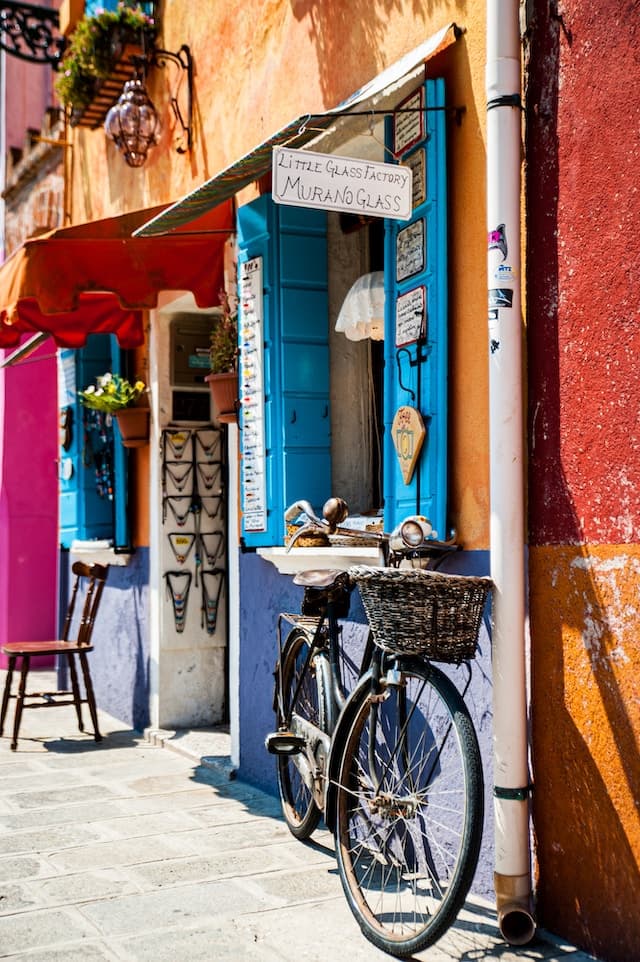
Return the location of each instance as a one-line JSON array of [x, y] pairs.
[[142, 849]]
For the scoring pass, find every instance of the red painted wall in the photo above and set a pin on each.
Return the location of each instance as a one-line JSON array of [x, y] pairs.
[[583, 314], [584, 273]]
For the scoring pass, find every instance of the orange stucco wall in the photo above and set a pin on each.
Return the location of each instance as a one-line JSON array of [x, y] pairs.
[[257, 65], [586, 719]]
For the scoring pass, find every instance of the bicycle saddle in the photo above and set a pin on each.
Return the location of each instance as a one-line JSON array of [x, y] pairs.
[[320, 578]]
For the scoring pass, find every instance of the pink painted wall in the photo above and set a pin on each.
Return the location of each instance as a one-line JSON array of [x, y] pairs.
[[28, 431], [28, 498], [28, 95]]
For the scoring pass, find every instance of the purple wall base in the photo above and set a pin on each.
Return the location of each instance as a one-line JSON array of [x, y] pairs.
[[120, 660], [264, 593]]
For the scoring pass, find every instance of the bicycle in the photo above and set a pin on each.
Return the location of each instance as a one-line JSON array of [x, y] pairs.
[[394, 766]]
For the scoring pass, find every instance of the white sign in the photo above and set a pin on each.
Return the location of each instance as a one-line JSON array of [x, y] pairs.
[[408, 122], [416, 161], [410, 252], [302, 178], [254, 501], [410, 317]]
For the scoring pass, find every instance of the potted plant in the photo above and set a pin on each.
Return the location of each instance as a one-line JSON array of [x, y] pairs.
[[101, 47], [115, 395], [223, 358]]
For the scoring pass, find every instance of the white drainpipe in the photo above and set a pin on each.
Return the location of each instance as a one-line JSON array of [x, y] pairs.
[[511, 773]]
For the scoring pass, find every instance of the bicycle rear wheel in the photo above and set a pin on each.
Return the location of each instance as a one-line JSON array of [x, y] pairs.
[[409, 810], [295, 777]]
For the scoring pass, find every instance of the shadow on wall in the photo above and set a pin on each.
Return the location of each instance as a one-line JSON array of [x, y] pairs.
[[583, 603], [333, 30], [264, 593], [120, 660]]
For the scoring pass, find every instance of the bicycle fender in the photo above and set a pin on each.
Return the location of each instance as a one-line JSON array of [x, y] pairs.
[[338, 742]]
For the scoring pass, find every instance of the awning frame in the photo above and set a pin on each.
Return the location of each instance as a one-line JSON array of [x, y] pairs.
[[297, 133]]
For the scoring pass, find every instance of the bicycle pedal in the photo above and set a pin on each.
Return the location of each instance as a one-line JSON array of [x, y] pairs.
[[284, 743]]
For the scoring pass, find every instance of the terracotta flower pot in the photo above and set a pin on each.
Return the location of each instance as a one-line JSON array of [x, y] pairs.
[[133, 424], [224, 389]]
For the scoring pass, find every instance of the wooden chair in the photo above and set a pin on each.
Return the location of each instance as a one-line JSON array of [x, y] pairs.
[[89, 579]]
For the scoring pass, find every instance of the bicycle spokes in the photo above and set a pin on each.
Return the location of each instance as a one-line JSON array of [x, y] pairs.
[[407, 843]]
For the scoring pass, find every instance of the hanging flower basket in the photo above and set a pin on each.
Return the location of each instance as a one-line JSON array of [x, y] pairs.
[[133, 424], [105, 91], [99, 59], [224, 390]]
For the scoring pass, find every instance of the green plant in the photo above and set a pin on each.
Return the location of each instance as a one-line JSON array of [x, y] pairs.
[[111, 393], [91, 52], [223, 354]]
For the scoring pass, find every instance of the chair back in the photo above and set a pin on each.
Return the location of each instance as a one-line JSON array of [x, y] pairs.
[[90, 579]]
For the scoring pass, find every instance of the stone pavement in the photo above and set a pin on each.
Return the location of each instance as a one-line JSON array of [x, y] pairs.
[[127, 852]]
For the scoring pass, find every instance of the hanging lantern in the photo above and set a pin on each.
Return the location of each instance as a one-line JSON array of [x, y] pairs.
[[132, 123]]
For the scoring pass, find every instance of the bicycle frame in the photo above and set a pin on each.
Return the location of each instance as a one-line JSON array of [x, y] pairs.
[[326, 637]]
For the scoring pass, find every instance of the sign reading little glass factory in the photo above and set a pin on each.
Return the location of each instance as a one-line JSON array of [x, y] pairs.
[[303, 178]]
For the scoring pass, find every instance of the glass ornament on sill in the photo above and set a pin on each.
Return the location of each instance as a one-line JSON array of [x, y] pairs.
[[133, 123]]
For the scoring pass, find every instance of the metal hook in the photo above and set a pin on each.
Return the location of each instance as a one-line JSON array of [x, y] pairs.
[[404, 350]]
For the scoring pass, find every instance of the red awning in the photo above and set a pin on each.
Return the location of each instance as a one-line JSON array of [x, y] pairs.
[[96, 277]]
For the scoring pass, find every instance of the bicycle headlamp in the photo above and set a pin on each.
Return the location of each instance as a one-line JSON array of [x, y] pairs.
[[415, 531]]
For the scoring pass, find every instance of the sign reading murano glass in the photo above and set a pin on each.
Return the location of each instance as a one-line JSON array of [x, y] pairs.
[[304, 178]]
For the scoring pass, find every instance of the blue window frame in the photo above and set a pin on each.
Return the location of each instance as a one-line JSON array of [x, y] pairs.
[[94, 477], [290, 243], [416, 374]]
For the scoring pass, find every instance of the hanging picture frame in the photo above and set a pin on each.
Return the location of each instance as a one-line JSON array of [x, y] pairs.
[[408, 122]]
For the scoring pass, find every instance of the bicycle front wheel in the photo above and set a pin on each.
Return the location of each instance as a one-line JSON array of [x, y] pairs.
[[295, 775], [409, 809]]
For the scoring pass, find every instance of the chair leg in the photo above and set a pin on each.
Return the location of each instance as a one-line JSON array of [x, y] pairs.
[[20, 702], [90, 696], [75, 688], [7, 692]]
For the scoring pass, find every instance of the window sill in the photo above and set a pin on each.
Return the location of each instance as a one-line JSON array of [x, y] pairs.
[[303, 559], [98, 552]]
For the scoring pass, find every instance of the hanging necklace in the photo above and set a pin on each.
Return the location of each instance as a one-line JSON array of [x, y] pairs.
[[209, 441], [178, 473], [181, 545], [177, 442], [211, 505], [212, 545], [178, 585], [178, 513], [211, 588], [210, 472]]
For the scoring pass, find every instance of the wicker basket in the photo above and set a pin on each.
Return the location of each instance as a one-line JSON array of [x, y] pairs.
[[428, 613]]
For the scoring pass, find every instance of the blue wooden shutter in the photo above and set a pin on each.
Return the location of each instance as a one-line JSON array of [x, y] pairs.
[[292, 244], [121, 456], [84, 514], [416, 375]]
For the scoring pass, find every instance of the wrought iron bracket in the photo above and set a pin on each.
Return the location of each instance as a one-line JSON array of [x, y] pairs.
[[184, 61], [31, 33]]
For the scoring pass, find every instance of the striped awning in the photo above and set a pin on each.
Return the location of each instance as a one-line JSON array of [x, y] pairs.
[[297, 133]]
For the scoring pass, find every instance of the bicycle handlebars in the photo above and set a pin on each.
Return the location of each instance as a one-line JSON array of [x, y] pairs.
[[414, 534]]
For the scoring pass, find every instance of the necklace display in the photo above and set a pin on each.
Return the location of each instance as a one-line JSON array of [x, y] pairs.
[[193, 479]]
